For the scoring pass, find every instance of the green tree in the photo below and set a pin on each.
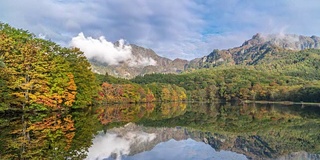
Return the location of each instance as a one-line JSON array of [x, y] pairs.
[[85, 80]]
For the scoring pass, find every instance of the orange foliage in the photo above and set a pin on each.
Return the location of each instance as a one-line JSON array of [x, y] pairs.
[[53, 125]]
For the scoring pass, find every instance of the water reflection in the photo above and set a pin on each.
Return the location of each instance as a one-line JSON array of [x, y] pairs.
[[121, 113], [53, 136], [186, 150], [138, 142], [256, 130], [117, 144], [138, 131]]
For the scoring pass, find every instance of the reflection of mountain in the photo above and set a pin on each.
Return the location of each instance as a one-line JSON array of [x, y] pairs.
[[136, 138], [258, 131], [188, 149], [132, 139]]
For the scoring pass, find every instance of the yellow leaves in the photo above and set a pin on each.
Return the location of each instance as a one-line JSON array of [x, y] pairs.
[[71, 84], [32, 97], [165, 95], [70, 93], [68, 118]]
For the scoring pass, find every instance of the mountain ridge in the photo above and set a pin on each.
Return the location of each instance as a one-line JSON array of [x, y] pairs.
[[251, 52], [254, 49]]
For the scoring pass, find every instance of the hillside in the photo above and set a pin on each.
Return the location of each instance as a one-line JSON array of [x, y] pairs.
[[238, 83]]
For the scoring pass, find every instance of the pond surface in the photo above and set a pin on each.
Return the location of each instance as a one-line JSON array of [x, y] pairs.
[[166, 131]]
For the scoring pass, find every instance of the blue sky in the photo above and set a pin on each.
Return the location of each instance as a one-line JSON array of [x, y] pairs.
[[172, 28]]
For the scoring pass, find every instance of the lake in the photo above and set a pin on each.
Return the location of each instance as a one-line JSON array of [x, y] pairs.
[[166, 131]]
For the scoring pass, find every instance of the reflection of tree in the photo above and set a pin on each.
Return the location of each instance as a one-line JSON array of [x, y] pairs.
[[53, 132], [87, 125], [135, 112], [163, 112], [172, 109], [49, 138], [124, 112]]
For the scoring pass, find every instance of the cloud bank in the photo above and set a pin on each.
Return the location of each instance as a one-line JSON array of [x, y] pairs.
[[107, 52], [111, 144], [184, 28]]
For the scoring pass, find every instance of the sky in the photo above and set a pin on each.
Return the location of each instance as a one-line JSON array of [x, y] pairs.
[[172, 28]]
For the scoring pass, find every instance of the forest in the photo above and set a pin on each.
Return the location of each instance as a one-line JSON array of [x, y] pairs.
[[239, 83], [37, 74], [40, 75]]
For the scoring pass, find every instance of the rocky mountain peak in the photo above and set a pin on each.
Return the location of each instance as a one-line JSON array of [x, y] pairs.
[[254, 49], [256, 39], [284, 41]]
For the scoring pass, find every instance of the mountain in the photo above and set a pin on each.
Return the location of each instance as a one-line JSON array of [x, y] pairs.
[[143, 61], [257, 50], [254, 50]]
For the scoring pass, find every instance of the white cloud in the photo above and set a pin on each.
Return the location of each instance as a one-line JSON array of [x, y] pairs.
[[102, 50], [107, 52], [141, 62]]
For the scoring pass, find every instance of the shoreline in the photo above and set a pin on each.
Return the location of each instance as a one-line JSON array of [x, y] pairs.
[[283, 102]]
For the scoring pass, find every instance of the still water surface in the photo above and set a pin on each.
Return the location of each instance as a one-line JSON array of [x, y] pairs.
[[166, 131]]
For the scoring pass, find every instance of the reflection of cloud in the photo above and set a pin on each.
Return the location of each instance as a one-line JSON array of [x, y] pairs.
[[113, 146], [185, 150], [109, 144], [134, 142]]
